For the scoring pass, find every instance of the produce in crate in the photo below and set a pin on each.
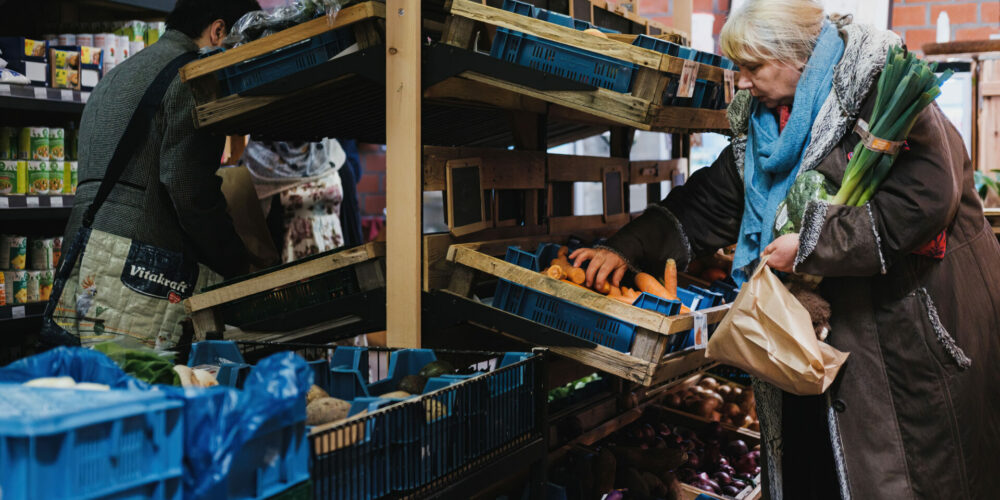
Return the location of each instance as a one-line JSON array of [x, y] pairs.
[[723, 402], [326, 410]]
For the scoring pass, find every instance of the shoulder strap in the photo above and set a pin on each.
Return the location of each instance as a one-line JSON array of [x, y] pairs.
[[137, 129]]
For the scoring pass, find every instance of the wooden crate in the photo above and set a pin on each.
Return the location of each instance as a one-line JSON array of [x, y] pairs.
[[640, 108], [367, 260], [363, 17], [648, 362]]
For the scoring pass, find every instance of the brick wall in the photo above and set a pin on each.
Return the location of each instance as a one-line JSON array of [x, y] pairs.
[[916, 20], [663, 11]]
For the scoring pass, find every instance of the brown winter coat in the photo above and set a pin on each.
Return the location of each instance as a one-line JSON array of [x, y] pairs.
[[915, 411]]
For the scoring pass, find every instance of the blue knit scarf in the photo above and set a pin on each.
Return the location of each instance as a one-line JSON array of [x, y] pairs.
[[773, 157]]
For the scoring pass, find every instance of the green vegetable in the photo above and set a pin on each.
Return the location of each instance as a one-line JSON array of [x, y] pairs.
[[808, 186], [413, 384], [906, 86], [436, 369], [145, 365]]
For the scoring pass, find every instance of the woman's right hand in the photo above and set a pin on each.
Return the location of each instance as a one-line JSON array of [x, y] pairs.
[[603, 263]]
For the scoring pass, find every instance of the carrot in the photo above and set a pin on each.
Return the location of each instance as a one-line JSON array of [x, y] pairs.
[[563, 251], [575, 274], [647, 283], [622, 298], [606, 289], [670, 277], [555, 272], [615, 292]]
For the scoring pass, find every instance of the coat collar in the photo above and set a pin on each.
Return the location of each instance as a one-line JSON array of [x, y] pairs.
[[180, 39]]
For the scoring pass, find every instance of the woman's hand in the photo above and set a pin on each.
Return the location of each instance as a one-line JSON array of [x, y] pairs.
[[602, 264], [783, 251]]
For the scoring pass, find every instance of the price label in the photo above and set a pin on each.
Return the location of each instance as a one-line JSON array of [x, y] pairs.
[[41, 93], [700, 330], [56, 201], [4, 89], [17, 312], [67, 95], [730, 84], [84, 96], [685, 88], [31, 201], [4, 202]]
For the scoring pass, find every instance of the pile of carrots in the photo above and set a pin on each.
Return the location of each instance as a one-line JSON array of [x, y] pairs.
[[561, 269]]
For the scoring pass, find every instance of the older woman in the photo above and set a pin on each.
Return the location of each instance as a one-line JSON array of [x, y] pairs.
[[913, 276]]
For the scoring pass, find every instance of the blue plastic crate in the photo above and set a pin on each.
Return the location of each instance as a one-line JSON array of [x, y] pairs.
[[284, 61], [71, 444], [233, 370], [726, 289], [709, 298], [563, 60], [566, 316]]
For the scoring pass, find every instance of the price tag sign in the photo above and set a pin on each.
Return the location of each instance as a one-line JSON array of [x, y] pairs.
[[41, 93], [32, 201], [4, 202], [66, 95], [700, 330], [685, 88], [5, 89], [17, 312], [730, 84], [56, 201]]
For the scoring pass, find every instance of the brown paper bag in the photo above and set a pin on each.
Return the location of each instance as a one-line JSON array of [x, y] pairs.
[[768, 334]]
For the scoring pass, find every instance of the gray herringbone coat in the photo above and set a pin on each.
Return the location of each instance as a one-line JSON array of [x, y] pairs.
[[169, 195]]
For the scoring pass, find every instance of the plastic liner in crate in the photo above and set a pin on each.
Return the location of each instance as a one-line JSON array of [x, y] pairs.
[[399, 445], [284, 61], [566, 316], [73, 444]]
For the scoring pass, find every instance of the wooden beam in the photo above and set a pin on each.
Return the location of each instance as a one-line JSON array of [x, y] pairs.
[[284, 276], [962, 47], [570, 168], [403, 183], [470, 91], [648, 172], [670, 119], [345, 17], [501, 169]]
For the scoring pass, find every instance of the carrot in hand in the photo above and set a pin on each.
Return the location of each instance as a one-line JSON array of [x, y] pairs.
[[555, 272], [574, 274], [670, 277]]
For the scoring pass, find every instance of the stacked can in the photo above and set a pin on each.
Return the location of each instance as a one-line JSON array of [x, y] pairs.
[[33, 147], [57, 160], [13, 260]]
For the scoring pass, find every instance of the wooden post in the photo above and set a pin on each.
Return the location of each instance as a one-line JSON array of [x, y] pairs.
[[403, 182]]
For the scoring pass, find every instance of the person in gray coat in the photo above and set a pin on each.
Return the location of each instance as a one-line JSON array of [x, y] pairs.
[[169, 195]]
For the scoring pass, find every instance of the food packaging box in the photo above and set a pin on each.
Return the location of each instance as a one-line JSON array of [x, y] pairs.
[[57, 173], [28, 57], [8, 176], [41, 253], [13, 252]]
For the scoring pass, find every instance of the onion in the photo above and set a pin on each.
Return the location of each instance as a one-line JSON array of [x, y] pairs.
[[709, 383], [731, 490], [673, 400], [737, 448], [722, 478], [747, 421]]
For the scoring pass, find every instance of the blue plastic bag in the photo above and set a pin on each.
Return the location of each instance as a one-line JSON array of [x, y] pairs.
[[217, 421]]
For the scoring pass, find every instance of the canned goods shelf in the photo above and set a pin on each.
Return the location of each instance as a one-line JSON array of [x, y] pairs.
[[23, 207], [31, 98]]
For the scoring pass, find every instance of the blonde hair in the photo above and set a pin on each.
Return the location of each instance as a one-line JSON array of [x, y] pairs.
[[772, 30]]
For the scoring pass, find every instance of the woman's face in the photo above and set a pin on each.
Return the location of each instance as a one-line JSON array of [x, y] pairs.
[[772, 82]]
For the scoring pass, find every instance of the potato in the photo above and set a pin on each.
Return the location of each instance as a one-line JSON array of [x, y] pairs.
[[434, 410], [315, 392], [396, 395], [326, 410]]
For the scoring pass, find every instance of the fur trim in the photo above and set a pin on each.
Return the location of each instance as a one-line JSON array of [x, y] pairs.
[[838, 450], [813, 220], [945, 338], [878, 239], [739, 144], [681, 263], [738, 112]]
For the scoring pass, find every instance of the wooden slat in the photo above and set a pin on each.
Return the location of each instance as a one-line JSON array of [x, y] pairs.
[[403, 184], [646, 172], [501, 169], [572, 223], [570, 168], [475, 92], [961, 47], [649, 320], [617, 108], [989, 89], [556, 33], [664, 118], [345, 17], [284, 276]]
